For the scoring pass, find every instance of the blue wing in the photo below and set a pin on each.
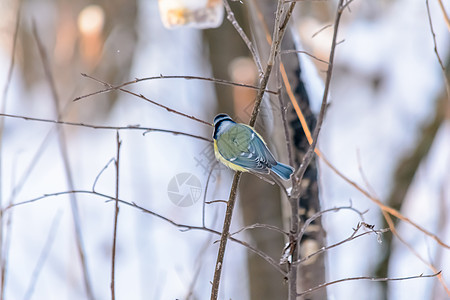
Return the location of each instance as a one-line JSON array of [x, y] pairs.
[[242, 146]]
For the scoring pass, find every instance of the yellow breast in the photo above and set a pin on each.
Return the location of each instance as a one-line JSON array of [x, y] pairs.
[[227, 163]]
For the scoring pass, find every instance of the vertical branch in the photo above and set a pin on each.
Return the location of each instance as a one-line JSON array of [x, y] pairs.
[[251, 48], [309, 154], [433, 35], [43, 256], [444, 13], [65, 157], [278, 34], [116, 216], [308, 157], [3, 249], [293, 240], [224, 236]]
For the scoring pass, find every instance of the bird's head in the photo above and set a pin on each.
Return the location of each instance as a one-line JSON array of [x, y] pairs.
[[222, 122]]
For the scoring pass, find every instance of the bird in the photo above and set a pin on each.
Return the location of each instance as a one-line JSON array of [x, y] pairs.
[[239, 147]]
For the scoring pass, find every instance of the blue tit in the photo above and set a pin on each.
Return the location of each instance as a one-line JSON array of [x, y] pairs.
[[241, 148]]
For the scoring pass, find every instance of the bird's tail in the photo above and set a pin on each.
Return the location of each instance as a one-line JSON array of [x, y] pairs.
[[283, 171]]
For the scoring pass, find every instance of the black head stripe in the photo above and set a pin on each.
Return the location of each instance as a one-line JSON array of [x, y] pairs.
[[221, 117]]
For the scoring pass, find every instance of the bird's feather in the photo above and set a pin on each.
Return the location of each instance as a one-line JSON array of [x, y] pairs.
[[243, 147]]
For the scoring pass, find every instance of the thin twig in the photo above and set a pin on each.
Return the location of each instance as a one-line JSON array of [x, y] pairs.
[[260, 16], [43, 255], [258, 225], [310, 153], [56, 194], [350, 238], [185, 227], [182, 227], [363, 175], [414, 252], [129, 127], [171, 110], [433, 35], [101, 172], [304, 52], [190, 291], [382, 206], [187, 77], [206, 192], [3, 255], [283, 110], [441, 223], [278, 34], [216, 201], [65, 157], [444, 13], [320, 30], [321, 213], [33, 162], [116, 217], [365, 278], [251, 48]]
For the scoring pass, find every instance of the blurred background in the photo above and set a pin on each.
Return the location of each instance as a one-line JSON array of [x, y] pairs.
[[386, 128]]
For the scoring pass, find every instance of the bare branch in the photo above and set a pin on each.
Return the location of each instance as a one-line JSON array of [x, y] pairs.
[[67, 167], [129, 127], [116, 217], [447, 81], [434, 37], [350, 238], [309, 154], [445, 15], [321, 213], [182, 227], [278, 34], [258, 225], [206, 191], [171, 110], [251, 48], [43, 255], [365, 278], [187, 77], [11, 64], [4, 250], [414, 252], [297, 234], [101, 172], [225, 235], [320, 30], [382, 206], [216, 201], [304, 52]]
